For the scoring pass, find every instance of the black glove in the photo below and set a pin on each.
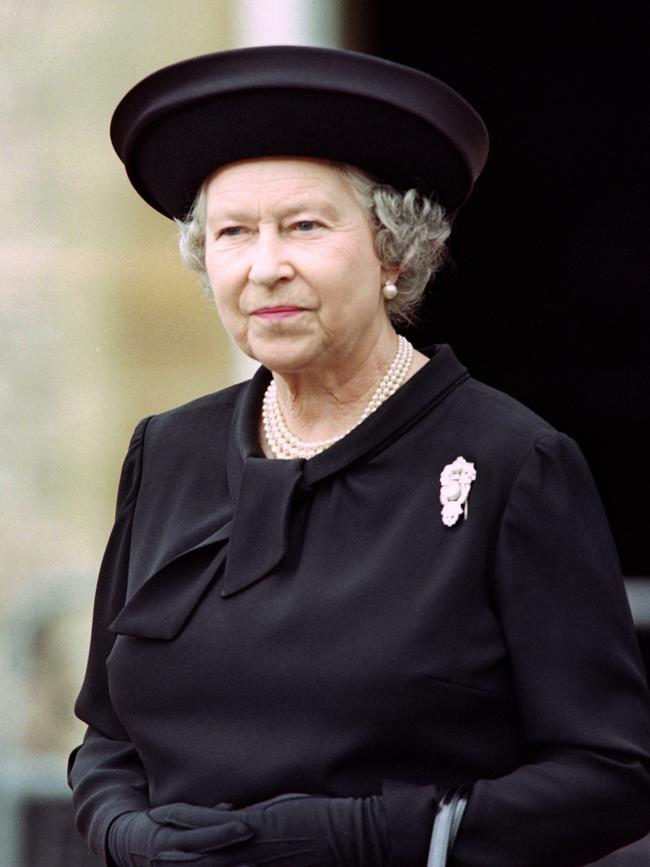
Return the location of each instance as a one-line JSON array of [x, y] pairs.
[[299, 831], [137, 839]]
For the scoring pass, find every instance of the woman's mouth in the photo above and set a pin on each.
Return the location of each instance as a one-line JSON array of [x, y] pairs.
[[280, 312]]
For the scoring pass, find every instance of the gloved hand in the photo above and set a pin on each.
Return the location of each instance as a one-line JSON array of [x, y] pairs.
[[172, 837], [298, 830]]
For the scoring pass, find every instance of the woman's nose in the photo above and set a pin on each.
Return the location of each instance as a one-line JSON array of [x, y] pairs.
[[270, 262]]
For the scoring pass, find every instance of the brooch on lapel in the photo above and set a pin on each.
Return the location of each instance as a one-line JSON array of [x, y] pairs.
[[455, 483]]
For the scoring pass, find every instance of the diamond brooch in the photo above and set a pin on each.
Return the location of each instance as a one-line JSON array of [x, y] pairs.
[[455, 483]]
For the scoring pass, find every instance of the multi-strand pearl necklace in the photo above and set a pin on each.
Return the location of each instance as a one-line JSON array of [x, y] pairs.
[[284, 444]]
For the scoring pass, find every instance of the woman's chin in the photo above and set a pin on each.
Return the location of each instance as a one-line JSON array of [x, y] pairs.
[[283, 355]]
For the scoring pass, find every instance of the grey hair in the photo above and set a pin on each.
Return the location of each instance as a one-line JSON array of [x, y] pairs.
[[410, 232]]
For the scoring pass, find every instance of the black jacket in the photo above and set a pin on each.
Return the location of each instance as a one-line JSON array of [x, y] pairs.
[[274, 626]]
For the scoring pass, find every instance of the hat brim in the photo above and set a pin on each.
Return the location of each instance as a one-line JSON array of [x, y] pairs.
[[176, 127]]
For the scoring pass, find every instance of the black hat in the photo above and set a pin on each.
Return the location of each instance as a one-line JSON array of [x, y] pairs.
[[405, 127]]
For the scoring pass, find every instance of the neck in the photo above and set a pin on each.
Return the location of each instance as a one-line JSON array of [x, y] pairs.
[[322, 403], [319, 409]]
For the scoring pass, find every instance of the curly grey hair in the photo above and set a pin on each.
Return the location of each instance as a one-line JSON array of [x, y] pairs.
[[410, 232]]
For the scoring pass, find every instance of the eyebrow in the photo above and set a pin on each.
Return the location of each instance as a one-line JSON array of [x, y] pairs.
[[322, 207], [237, 214]]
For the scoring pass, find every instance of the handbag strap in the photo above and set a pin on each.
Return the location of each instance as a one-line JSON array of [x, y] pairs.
[[451, 807]]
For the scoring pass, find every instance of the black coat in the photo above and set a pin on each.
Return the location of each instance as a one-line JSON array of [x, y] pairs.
[[273, 626]]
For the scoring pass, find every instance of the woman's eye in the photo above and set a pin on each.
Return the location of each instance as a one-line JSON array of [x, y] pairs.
[[306, 225], [230, 233]]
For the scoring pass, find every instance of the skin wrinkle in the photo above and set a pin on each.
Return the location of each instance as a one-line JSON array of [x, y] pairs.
[[292, 232]]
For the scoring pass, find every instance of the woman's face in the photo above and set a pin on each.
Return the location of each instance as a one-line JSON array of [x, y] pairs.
[[290, 257]]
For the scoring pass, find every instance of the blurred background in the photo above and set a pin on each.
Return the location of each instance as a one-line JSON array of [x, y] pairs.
[[100, 324]]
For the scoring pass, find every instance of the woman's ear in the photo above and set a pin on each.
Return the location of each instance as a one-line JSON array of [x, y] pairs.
[[391, 272]]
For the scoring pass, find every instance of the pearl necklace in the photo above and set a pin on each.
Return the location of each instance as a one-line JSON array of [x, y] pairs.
[[284, 444]]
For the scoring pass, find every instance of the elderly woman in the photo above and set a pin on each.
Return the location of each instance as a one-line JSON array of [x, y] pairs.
[[361, 610]]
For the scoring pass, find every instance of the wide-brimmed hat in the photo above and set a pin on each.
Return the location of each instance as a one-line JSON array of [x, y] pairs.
[[178, 125]]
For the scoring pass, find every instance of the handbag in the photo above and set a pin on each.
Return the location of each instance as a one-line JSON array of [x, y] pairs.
[[451, 807]]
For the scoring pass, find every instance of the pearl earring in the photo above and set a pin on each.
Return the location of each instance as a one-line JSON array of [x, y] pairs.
[[389, 290]]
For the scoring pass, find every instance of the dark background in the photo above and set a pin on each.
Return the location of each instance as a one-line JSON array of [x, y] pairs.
[[548, 296]]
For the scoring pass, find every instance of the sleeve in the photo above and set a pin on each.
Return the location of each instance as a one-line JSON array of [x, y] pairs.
[[105, 772], [578, 678], [583, 787]]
